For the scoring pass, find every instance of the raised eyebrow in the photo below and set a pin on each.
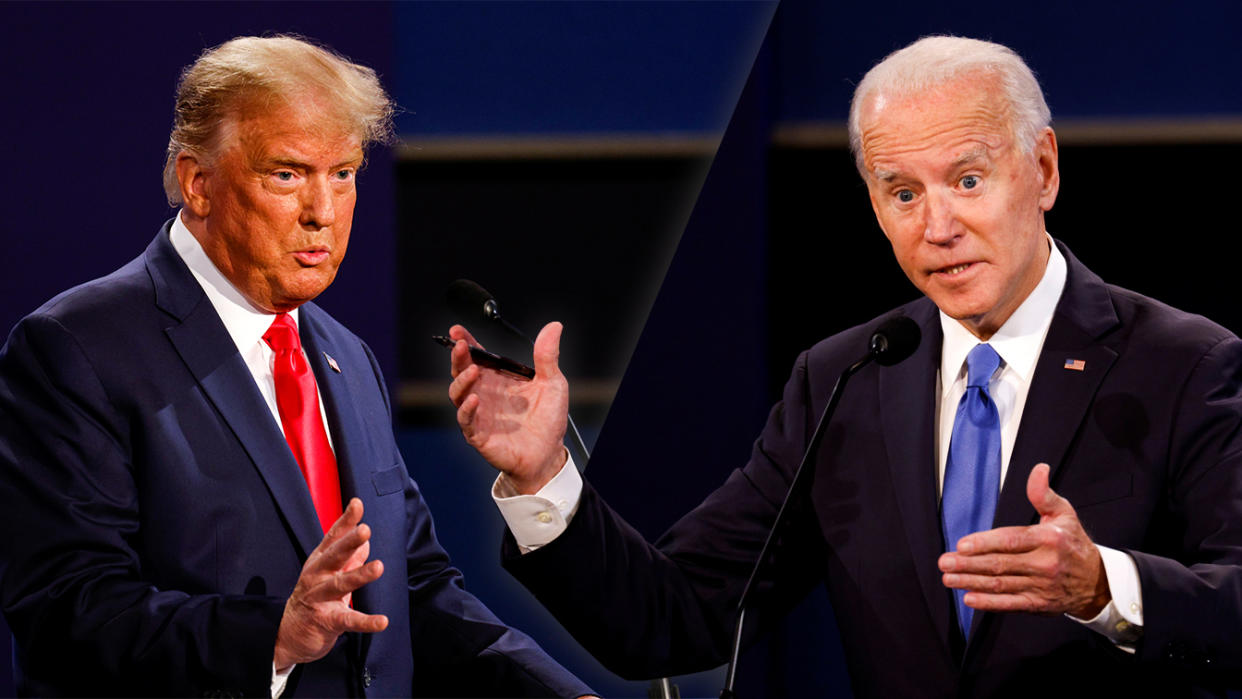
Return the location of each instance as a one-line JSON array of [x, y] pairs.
[[969, 158], [885, 175]]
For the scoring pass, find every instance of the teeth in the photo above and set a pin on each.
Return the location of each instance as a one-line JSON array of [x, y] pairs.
[[955, 270]]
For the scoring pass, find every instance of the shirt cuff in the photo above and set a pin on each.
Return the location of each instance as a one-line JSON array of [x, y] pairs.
[[536, 520], [1121, 620], [280, 679]]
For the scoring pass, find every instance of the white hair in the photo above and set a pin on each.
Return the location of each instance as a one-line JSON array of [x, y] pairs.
[[935, 60]]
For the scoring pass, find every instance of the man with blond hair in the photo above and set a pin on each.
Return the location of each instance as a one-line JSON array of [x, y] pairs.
[[202, 491], [1045, 499]]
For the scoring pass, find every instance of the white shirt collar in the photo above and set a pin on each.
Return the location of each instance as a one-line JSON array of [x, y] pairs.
[[245, 323], [1020, 339]]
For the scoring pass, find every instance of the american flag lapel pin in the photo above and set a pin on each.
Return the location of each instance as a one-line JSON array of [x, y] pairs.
[[332, 362], [1075, 364]]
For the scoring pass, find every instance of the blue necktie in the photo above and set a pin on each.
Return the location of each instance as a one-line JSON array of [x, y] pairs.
[[972, 473]]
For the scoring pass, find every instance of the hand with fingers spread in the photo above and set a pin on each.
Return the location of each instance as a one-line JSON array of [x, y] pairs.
[[517, 425], [1050, 568], [318, 611]]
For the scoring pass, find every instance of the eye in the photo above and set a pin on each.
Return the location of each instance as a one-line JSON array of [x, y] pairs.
[[969, 181], [905, 196], [343, 174], [284, 176]]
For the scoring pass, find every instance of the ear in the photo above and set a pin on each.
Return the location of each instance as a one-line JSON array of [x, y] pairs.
[[192, 177], [1046, 162]]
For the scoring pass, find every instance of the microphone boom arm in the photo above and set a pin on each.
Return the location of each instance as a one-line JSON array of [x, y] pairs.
[[797, 488]]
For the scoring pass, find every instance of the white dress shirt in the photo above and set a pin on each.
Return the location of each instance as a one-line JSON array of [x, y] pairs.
[[1019, 342], [538, 519], [246, 325]]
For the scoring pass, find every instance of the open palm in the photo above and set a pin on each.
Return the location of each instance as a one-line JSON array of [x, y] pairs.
[[517, 425]]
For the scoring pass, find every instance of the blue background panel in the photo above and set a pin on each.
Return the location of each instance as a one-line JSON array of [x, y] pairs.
[[573, 67]]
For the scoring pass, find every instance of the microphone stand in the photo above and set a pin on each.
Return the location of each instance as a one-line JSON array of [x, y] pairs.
[[798, 488]]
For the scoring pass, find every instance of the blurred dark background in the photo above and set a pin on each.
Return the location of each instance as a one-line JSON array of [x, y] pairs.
[[556, 152]]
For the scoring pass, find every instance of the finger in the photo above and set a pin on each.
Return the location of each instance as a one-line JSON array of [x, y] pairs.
[[992, 584], [349, 519], [347, 619], [340, 584], [1046, 502], [459, 358], [337, 554], [465, 414], [1009, 602], [360, 556], [1000, 540], [548, 350], [344, 583], [463, 384], [1027, 564], [459, 332]]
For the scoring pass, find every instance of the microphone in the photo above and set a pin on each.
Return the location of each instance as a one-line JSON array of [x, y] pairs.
[[895, 340], [468, 299]]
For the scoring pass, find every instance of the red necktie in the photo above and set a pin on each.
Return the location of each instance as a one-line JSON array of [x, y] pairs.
[[297, 400]]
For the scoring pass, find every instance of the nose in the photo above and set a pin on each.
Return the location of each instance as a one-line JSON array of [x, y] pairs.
[[318, 206], [941, 224]]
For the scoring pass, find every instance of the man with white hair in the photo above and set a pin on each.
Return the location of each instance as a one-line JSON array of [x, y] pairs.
[[202, 492], [1046, 497]]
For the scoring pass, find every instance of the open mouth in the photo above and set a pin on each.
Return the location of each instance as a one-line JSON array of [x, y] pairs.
[[955, 269]]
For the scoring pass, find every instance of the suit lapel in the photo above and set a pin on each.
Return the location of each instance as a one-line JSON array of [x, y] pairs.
[[907, 397], [1059, 398], [207, 350], [355, 454]]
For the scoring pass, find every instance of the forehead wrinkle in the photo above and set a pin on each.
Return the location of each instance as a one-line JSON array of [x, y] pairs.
[[897, 126], [979, 152], [289, 145], [965, 142]]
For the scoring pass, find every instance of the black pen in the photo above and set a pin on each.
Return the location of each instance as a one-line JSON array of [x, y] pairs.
[[491, 360]]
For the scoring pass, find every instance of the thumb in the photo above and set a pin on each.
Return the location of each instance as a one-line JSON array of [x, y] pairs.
[[1045, 500], [548, 350]]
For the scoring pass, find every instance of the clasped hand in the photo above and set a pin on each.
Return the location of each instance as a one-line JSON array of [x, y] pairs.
[[517, 425], [1047, 568]]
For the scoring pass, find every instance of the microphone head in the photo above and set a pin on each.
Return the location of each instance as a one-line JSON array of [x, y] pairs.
[[894, 340], [468, 300]]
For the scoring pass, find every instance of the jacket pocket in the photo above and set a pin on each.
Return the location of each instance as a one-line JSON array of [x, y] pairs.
[[390, 480]]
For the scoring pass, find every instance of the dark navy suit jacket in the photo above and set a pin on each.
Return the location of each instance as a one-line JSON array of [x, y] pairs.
[[1145, 442], [155, 520]]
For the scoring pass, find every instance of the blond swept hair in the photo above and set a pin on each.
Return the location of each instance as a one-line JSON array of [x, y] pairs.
[[270, 72]]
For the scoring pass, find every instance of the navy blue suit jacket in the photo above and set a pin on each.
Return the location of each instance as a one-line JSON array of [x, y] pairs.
[[156, 520], [1145, 442]]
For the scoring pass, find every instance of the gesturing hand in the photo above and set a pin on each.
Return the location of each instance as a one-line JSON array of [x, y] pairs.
[[318, 611], [517, 425], [1051, 567]]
